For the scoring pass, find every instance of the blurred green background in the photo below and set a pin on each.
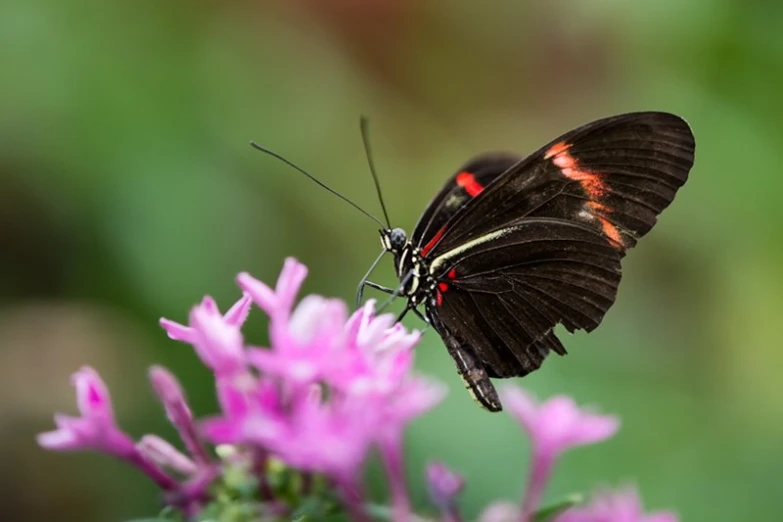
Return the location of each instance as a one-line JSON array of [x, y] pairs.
[[128, 190]]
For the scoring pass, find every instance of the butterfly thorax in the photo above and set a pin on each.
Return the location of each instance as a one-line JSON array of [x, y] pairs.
[[416, 283]]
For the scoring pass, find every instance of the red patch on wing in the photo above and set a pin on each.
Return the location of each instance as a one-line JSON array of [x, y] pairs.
[[596, 207], [444, 286], [433, 241], [611, 231], [468, 181], [590, 181], [592, 184], [607, 227], [556, 149]]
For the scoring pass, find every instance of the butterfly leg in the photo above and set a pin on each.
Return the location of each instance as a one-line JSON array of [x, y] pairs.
[[364, 282], [384, 289], [394, 294], [421, 315]]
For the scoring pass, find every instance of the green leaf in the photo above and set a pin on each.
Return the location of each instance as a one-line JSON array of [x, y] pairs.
[[549, 512]]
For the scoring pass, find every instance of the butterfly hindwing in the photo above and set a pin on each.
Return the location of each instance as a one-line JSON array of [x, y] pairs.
[[505, 292], [465, 184]]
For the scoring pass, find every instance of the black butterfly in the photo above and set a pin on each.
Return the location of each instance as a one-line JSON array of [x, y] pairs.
[[510, 247]]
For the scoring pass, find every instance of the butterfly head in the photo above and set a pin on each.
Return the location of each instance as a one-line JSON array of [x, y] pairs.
[[394, 240], [405, 259]]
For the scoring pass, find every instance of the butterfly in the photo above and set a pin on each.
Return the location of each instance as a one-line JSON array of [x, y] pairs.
[[510, 247]]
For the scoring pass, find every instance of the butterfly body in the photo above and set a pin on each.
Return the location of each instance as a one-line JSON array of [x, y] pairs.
[[510, 246]]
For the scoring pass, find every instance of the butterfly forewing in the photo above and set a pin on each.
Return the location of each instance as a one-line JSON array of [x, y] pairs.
[[615, 174]]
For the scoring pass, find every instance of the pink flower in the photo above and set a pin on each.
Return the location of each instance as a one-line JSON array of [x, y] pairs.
[[173, 400], [558, 424], [304, 343], [378, 354], [619, 506], [553, 426], [327, 390], [216, 337], [96, 428], [365, 362], [157, 450], [252, 413], [412, 398], [444, 486], [279, 301], [328, 437]]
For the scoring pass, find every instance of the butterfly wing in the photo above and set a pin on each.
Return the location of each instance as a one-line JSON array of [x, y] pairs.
[[501, 296], [464, 185]]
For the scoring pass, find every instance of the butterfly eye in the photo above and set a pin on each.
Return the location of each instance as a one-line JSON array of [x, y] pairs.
[[397, 239]]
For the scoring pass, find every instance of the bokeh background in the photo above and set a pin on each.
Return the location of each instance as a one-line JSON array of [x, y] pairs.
[[128, 190]]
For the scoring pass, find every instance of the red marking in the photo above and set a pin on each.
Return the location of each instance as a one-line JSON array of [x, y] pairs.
[[557, 149], [566, 162], [443, 286], [452, 273], [469, 183], [597, 207], [590, 181], [433, 241], [607, 226], [439, 298], [576, 174], [592, 184], [611, 231]]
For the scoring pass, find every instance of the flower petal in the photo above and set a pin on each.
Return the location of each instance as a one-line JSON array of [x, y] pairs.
[[165, 455], [218, 343], [595, 428], [237, 314], [261, 294], [522, 406], [622, 505], [92, 396], [558, 423], [176, 331], [290, 281], [444, 484], [58, 440]]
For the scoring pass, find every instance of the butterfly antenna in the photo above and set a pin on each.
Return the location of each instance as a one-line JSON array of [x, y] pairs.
[[364, 124], [321, 184]]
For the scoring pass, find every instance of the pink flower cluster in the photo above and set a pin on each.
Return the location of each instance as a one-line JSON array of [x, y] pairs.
[[329, 389]]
